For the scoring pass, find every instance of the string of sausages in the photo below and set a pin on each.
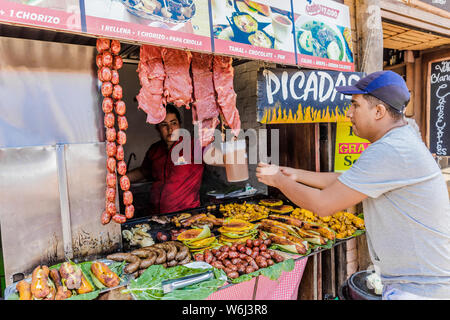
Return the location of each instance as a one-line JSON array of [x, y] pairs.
[[109, 62]]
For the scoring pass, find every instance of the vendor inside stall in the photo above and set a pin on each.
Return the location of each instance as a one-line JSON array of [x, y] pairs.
[[175, 185]]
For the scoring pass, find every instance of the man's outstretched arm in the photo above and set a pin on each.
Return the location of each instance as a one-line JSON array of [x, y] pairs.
[[319, 180], [325, 202]]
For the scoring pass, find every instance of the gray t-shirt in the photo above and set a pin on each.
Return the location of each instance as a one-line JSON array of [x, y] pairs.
[[407, 213]]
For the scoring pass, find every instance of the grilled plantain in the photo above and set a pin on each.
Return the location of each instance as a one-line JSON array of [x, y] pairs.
[[104, 274], [24, 289], [85, 287]]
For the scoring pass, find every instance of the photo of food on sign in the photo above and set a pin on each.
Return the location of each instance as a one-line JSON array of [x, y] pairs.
[[63, 5], [322, 30], [189, 16], [254, 23], [319, 39]]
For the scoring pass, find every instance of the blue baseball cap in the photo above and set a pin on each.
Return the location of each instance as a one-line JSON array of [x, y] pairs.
[[387, 86]]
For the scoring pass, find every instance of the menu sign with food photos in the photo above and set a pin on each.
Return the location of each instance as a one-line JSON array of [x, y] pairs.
[[258, 30], [52, 14], [298, 96], [323, 35], [174, 23]]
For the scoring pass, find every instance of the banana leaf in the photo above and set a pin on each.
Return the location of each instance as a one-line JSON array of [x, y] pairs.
[[148, 285], [327, 245], [289, 249]]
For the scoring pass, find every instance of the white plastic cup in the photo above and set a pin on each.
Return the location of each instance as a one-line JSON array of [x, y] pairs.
[[282, 26]]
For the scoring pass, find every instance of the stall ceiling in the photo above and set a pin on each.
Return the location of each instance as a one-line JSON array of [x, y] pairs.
[[404, 38]]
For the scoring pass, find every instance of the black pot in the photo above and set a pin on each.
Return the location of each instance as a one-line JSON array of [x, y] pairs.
[[343, 291], [357, 288]]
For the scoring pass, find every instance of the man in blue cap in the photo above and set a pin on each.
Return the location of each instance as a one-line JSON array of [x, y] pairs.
[[404, 194]]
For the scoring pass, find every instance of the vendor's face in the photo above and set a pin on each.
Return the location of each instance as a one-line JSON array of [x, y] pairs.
[[167, 129], [362, 116]]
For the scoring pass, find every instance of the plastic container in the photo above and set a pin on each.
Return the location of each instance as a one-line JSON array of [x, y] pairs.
[[235, 160]]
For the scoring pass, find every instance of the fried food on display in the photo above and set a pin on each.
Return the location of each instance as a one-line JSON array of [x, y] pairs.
[[245, 211], [344, 224]]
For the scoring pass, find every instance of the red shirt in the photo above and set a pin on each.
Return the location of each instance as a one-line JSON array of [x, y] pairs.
[[175, 186]]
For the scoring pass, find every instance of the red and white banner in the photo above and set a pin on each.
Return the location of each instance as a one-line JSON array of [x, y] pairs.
[[314, 34], [255, 53], [56, 15], [184, 27]]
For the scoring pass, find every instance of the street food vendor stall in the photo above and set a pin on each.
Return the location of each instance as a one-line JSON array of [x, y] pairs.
[[75, 231]]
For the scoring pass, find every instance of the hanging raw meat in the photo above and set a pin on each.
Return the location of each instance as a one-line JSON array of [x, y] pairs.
[[204, 94], [223, 74], [205, 111], [151, 76], [206, 129], [178, 82]]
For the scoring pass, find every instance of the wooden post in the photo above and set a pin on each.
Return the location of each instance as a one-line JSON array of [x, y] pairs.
[[328, 273], [370, 35], [341, 264], [327, 257], [317, 257], [364, 260], [410, 80], [418, 102]]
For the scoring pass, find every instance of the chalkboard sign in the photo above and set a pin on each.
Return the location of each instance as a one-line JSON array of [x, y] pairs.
[[439, 102]]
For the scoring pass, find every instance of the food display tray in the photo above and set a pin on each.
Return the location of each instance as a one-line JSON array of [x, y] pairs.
[[125, 279]]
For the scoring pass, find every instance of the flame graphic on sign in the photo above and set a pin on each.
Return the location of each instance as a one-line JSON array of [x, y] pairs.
[[277, 114]]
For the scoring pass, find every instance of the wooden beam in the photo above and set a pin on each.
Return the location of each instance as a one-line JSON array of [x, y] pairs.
[[391, 44], [399, 38], [394, 16], [427, 8], [429, 44], [414, 13]]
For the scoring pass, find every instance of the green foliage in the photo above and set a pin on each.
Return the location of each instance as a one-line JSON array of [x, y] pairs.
[[148, 285]]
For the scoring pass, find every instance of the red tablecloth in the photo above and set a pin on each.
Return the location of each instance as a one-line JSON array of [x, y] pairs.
[[284, 288]]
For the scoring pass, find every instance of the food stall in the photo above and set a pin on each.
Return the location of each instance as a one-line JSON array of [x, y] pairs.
[[72, 240]]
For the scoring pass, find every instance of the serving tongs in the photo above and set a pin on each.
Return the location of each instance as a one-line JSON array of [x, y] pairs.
[[173, 284]]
